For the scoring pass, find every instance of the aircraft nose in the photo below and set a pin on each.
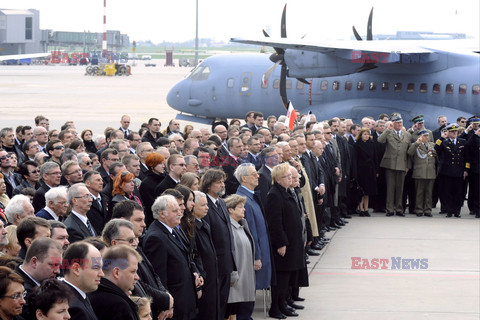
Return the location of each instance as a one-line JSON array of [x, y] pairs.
[[177, 96]]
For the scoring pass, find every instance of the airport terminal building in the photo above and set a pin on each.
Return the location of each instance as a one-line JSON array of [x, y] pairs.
[[20, 34]]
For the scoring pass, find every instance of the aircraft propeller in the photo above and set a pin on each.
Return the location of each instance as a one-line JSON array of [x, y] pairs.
[[279, 58], [366, 66]]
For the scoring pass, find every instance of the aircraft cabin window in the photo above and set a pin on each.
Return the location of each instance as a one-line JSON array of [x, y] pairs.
[[324, 85], [299, 85], [423, 87], [348, 85], [449, 88], [373, 86], [276, 84], [336, 85], [289, 84], [398, 87], [410, 87], [475, 89], [462, 89], [436, 88], [360, 86], [230, 82], [385, 86]]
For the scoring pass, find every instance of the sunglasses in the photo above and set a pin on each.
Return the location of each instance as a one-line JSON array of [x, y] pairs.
[[5, 157], [59, 147], [35, 171], [89, 163]]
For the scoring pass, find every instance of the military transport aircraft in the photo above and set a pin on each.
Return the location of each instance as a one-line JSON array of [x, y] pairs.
[[348, 79]]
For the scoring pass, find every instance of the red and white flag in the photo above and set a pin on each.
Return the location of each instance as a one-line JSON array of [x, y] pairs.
[[291, 116]]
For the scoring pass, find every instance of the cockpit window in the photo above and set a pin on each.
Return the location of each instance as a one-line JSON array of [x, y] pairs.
[[200, 73]]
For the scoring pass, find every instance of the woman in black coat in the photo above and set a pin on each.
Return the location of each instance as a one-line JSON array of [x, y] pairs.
[[156, 172], [285, 227], [366, 168]]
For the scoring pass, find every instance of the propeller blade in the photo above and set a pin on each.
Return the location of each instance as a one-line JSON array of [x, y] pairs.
[[369, 26], [269, 72], [355, 33], [283, 86], [283, 30], [304, 81], [265, 33]]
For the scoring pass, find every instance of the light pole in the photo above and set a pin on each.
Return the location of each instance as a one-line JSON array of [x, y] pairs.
[[196, 34]]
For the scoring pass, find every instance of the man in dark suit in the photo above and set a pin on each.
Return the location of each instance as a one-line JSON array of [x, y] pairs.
[[213, 184], [153, 132], [269, 157], [124, 124], [82, 265], [111, 300], [29, 229], [378, 201], [142, 150], [56, 204], [107, 157], [176, 168], [98, 213], [78, 225], [254, 148], [162, 301], [230, 163], [169, 258], [50, 174]]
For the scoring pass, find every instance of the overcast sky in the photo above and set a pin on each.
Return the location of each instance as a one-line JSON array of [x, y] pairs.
[[159, 20]]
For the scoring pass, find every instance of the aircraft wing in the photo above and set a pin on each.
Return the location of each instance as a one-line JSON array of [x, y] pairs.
[[338, 46], [23, 56]]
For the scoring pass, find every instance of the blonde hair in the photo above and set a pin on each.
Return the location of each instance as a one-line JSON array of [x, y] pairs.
[[11, 237]]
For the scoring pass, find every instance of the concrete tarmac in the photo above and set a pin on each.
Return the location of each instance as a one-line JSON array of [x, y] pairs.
[[448, 288]]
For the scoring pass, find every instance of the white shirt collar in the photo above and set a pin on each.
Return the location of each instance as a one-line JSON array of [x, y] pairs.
[[51, 213], [83, 294]]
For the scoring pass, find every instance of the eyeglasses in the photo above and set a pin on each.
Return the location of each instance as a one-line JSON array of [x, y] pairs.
[[180, 140], [327, 133], [112, 159], [130, 241], [124, 173], [5, 157], [86, 196], [41, 134], [17, 296], [54, 135], [76, 171], [57, 173], [196, 165], [180, 164], [89, 163], [59, 147], [35, 171]]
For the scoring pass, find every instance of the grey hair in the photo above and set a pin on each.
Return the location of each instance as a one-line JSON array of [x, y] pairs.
[[80, 157], [112, 229], [242, 171], [189, 158], [15, 206], [161, 204], [98, 139], [47, 167], [54, 193], [282, 144], [74, 191], [198, 195], [141, 146]]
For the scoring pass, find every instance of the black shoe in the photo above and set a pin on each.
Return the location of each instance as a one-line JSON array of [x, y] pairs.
[[289, 313], [340, 223], [366, 214], [276, 315], [389, 214], [361, 214], [449, 215], [316, 246], [472, 213], [380, 210], [347, 216], [298, 299], [312, 252], [401, 214], [477, 215], [329, 229], [419, 214], [428, 215], [457, 215], [442, 212], [296, 306]]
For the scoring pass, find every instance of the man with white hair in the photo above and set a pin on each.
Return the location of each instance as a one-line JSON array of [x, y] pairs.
[[78, 225], [168, 256], [178, 140], [50, 174], [41, 135], [18, 208], [56, 204]]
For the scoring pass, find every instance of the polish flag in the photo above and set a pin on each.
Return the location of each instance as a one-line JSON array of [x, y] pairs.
[[291, 116]]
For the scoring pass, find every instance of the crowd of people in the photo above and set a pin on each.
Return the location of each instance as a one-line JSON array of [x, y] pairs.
[[171, 224]]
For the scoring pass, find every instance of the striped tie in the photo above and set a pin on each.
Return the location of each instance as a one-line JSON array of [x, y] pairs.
[[90, 229]]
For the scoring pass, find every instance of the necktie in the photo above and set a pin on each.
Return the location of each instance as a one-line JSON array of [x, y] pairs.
[[177, 237], [99, 202], [90, 229]]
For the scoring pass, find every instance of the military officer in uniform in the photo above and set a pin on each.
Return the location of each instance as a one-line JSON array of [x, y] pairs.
[[453, 169], [394, 160], [424, 172], [473, 158]]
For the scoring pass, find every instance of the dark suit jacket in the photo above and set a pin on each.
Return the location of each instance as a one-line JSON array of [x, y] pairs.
[[28, 283], [147, 192], [97, 216], [76, 229], [171, 263], [105, 176], [228, 166], [208, 308], [44, 214], [39, 197], [264, 182], [143, 171], [167, 183], [79, 308], [222, 237], [109, 302]]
